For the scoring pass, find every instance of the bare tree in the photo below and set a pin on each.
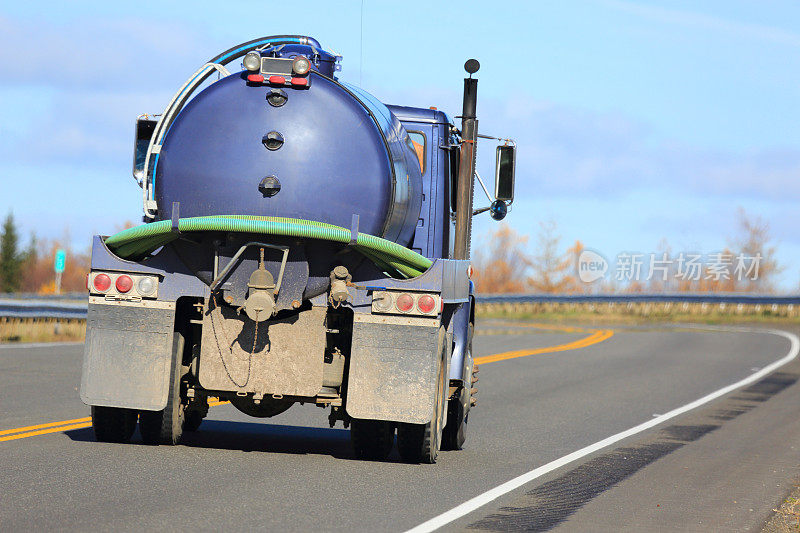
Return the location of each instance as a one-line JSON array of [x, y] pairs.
[[753, 241], [551, 269], [500, 264]]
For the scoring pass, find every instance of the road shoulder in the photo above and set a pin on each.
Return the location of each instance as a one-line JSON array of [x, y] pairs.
[[735, 460]]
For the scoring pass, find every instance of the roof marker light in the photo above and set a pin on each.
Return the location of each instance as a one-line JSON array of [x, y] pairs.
[[252, 61], [301, 65]]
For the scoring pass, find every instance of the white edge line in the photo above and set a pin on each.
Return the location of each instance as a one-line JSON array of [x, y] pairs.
[[492, 494], [38, 344]]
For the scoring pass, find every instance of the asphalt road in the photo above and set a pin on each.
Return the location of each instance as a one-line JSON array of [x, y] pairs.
[[723, 465]]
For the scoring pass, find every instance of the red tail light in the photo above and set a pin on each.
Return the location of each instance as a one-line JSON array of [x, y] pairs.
[[279, 80], [404, 303], [426, 303], [124, 283], [102, 282], [255, 78]]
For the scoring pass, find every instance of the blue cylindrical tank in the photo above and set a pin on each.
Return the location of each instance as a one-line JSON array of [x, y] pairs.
[[329, 152]]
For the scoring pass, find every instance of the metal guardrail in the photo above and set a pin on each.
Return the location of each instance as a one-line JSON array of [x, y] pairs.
[[28, 308], [52, 307], [64, 296]]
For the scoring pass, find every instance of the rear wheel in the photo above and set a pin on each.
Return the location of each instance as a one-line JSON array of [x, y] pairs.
[[372, 439], [420, 443], [194, 413], [113, 424], [166, 426], [192, 420]]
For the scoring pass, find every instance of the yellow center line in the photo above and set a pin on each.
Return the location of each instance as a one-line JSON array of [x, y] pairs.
[[63, 425], [41, 426], [597, 336], [44, 431]]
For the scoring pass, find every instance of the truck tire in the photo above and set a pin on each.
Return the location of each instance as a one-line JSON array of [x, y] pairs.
[[194, 414], [192, 420], [166, 426], [113, 424], [455, 432], [372, 439], [420, 443]]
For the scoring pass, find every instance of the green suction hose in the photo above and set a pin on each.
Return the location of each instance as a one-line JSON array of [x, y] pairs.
[[135, 243]]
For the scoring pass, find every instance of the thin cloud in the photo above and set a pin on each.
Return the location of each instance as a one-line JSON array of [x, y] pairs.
[[693, 19], [570, 151], [96, 53]]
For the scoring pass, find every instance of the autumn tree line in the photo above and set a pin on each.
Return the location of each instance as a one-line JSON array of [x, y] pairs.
[[503, 262], [30, 268]]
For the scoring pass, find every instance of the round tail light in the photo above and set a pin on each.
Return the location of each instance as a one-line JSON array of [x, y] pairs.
[[382, 302], [146, 286], [426, 303], [404, 303], [124, 283], [101, 282]]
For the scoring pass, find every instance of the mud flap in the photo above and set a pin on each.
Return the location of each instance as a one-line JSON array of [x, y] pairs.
[[127, 354], [393, 364]]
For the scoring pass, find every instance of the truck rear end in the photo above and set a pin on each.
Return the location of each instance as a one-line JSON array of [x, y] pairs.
[[297, 248]]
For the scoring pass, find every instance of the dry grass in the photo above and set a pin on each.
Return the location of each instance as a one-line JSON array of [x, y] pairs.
[[603, 314], [787, 517], [42, 331]]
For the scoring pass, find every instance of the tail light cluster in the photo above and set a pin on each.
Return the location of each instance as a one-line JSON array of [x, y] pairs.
[[406, 303], [123, 285]]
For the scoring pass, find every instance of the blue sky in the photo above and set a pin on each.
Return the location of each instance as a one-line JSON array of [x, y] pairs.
[[636, 122]]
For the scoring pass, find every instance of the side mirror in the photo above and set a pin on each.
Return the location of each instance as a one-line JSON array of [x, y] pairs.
[[144, 132], [504, 173]]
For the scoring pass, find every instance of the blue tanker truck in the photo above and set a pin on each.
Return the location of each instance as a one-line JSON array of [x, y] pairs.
[[302, 243]]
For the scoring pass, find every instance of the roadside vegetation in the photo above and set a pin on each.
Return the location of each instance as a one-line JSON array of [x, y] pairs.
[[29, 269], [502, 263], [14, 331], [787, 517], [622, 314]]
